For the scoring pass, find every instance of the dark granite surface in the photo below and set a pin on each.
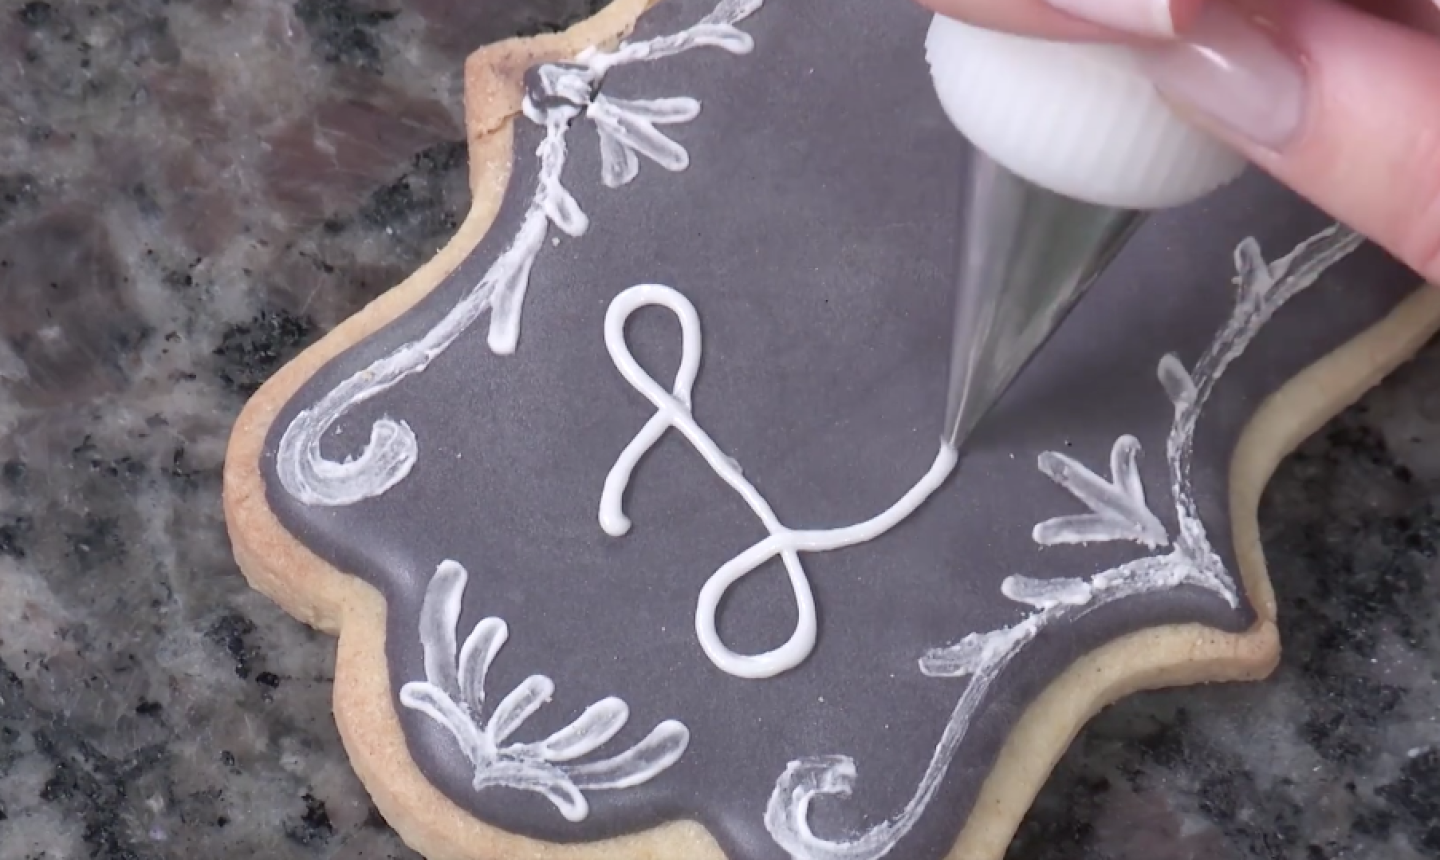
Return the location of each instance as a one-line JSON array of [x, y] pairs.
[[189, 193]]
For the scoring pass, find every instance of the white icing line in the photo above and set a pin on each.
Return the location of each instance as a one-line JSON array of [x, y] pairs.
[[673, 409], [392, 451], [983, 657], [453, 695], [626, 129], [787, 544]]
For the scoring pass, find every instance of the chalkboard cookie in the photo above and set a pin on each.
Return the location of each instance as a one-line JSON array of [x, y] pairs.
[[629, 509]]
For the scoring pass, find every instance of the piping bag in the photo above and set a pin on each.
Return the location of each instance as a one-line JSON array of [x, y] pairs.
[[1071, 147]]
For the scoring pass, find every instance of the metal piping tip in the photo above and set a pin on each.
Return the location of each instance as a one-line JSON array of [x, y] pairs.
[[1027, 255]]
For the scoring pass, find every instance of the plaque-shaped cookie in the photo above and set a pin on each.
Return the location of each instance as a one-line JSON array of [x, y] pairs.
[[630, 509]]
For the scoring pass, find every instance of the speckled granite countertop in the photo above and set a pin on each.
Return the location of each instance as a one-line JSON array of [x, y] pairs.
[[192, 192]]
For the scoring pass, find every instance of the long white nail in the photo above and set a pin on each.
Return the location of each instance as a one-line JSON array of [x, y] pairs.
[[1140, 17]]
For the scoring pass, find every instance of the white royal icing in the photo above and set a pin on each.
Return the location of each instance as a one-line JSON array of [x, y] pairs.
[[1117, 507], [453, 695], [672, 409], [1118, 513], [626, 130]]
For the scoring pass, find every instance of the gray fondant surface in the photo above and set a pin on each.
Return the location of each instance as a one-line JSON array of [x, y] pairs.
[[814, 231]]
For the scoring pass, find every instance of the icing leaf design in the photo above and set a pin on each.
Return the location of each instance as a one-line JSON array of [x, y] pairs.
[[976, 651], [724, 36], [453, 695], [1046, 593], [481, 646], [1176, 381], [439, 616], [1117, 507], [508, 279], [1253, 275], [980, 658], [627, 130], [567, 91], [562, 210], [665, 743], [716, 29], [433, 703], [591, 730]]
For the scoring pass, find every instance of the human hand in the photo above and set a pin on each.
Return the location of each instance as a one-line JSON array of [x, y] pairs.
[[1340, 101]]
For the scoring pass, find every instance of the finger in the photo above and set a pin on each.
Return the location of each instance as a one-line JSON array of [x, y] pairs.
[[1342, 106], [1420, 14], [1075, 20]]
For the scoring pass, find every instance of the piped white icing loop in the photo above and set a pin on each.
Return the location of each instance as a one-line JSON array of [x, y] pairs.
[[673, 409], [627, 129], [982, 657], [1080, 119]]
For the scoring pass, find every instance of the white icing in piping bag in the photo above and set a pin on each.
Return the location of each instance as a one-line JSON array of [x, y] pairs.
[[1080, 120], [1069, 146]]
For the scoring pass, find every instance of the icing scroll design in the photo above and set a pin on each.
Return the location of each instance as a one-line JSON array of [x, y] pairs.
[[453, 695], [1117, 513], [672, 410], [566, 92]]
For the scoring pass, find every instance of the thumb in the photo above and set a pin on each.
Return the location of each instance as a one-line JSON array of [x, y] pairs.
[[1342, 106]]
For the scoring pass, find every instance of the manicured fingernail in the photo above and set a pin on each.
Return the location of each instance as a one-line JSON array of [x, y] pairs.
[[1229, 68], [1140, 17]]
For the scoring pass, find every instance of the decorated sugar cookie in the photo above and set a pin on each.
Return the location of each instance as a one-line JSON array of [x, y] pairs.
[[630, 509]]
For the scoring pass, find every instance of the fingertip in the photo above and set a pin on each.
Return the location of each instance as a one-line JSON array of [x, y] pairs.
[[1337, 104], [1184, 14], [1035, 18]]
